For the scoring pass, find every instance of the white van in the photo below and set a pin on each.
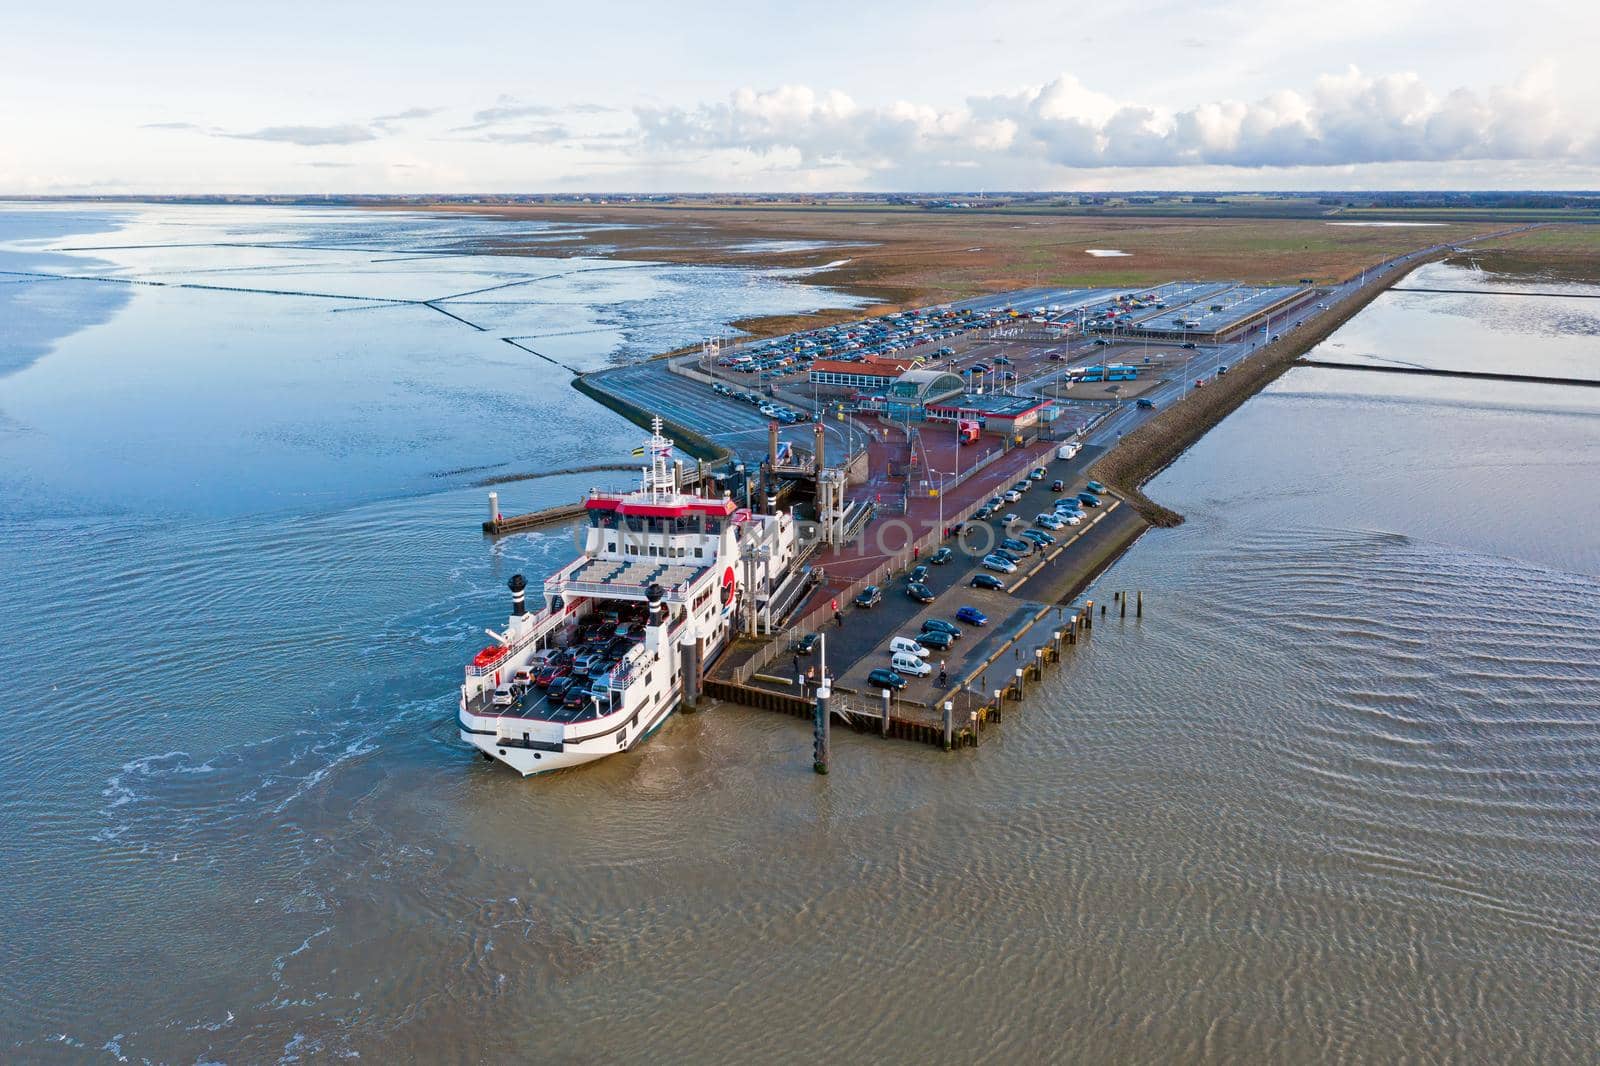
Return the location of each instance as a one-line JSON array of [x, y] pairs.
[[1067, 451], [907, 664], [906, 646]]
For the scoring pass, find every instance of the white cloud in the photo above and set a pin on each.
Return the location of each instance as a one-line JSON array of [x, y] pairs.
[[1344, 118]]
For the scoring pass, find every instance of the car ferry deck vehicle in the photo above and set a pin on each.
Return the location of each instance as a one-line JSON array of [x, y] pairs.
[[625, 630]]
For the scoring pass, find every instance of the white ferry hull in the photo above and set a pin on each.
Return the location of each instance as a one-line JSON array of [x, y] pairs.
[[502, 741]]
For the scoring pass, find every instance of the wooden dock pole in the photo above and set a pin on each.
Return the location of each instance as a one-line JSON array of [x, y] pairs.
[[948, 708], [885, 701], [1138, 611], [1124, 598], [1019, 684]]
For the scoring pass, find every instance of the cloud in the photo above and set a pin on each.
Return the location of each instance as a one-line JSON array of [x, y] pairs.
[[313, 136], [1341, 119], [388, 122], [169, 126], [549, 133], [509, 109], [323, 163]]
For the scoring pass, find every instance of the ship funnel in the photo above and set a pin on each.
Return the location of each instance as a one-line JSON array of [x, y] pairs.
[[517, 585], [658, 612]]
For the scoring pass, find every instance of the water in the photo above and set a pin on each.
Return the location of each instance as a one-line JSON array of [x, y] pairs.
[[1334, 798], [1510, 325]]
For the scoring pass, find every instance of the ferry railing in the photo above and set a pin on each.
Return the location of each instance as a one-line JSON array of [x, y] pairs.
[[674, 594]]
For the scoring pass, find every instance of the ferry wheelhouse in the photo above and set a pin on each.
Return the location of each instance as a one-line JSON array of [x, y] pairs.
[[626, 629]]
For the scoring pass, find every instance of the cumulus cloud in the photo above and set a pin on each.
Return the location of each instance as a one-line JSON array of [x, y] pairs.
[[1341, 119]]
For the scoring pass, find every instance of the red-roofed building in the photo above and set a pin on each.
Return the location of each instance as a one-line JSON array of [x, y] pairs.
[[874, 375]]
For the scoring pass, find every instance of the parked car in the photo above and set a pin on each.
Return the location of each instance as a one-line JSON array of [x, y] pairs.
[[942, 556], [885, 678], [919, 592], [907, 645], [1009, 556], [935, 639], [918, 575], [972, 616], [1088, 499], [1010, 518], [1012, 495], [558, 687], [1038, 536], [1048, 521], [503, 697], [943, 626], [903, 662], [805, 645], [1058, 485], [986, 581], [870, 596], [999, 564], [1188, 344], [1037, 474], [1071, 518], [983, 512], [1021, 547], [1096, 488]]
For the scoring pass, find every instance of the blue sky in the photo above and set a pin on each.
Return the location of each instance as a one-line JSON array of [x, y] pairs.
[[472, 96]]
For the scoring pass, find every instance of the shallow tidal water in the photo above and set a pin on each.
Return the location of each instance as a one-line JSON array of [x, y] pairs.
[[1333, 799]]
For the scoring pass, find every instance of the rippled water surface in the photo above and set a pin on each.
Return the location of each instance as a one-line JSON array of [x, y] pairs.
[[1334, 798]]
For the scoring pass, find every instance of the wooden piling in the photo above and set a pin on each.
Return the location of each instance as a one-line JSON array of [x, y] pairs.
[[1138, 611]]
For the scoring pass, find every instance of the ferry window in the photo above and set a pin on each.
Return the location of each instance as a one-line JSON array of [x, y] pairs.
[[654, 550], [633, 549], [699, 553], [611, 545]]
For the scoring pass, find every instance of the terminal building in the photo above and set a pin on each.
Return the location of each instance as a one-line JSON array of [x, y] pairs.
[[940, 396], [1008, 415]]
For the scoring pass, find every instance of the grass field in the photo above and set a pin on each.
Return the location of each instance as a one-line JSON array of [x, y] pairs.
[[901, 258], [1567, 253]]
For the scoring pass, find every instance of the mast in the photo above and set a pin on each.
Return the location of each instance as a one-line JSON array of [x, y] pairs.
[[658, 475]]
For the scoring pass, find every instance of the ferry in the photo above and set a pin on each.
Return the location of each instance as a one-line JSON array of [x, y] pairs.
[[624, 633]]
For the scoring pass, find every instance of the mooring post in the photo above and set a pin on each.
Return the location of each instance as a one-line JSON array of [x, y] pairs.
[[1124, 599], [1088, 614], [885, 699], [1138, 611], [494, 507], [1019, 683], [819, 731], [948, 707], [1038, 664], [820, 723], [974, 717]]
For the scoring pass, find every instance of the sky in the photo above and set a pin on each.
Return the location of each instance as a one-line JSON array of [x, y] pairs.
[[347, 96]]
